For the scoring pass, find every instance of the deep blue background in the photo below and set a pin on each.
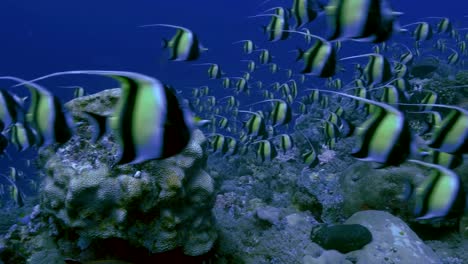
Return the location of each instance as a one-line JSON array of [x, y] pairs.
[[38, 37]]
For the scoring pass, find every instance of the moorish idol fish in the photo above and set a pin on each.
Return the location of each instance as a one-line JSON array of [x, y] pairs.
[[184, 45], [440, 196], [148, 121], [46, 115], [362, 20]]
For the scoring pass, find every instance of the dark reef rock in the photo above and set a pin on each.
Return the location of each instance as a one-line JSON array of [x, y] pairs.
[[343, 238]]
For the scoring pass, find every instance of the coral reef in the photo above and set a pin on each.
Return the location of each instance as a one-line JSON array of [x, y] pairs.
[[160, 205], [451, 96]]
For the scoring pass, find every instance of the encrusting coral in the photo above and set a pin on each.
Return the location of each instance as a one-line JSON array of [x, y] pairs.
[[160, 205]]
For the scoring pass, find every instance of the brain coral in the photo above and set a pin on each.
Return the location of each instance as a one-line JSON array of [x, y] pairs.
[[160, 205]]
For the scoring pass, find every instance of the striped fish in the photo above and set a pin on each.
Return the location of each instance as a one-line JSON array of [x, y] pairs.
[[46, 115], [219, 144], [440, 196], [273, 68], [407, 58], [214, 71], [402, 84], [148, 121], [400, 70], [251, 66], [304, 11], [447, 160], [330, 130], [452, 134], [266, 150], [428, 100], [453, 58], [386, 122], [286, 142], [444, 25], [22, 136], [226, 83], [184, 45], [281, 113], [320, 59], [248, 46], [11, 111], [310, 158], [378, 70], [265, 56], [233, 146], [393, 96], [15, 193], [363, 20], [241, 85], [255, 125], [223, 122], [277, 28], [422, 32]]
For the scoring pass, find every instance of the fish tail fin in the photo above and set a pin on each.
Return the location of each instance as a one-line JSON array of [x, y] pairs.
[[203, 49], [201, 122], [99, 122], [408, 190], [300, 54], [164, 43]]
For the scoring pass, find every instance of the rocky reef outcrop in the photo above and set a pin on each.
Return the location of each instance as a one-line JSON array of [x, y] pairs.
[[160, 205]]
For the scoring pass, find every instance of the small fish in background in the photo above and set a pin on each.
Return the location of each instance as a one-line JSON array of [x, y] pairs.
[[286, 142], [184, 45], [219, 143], [265, 56], [444, 25], [278, 27], [255, 125], [422, 32], [15, 194], [22, 136], [248, 45], [281, 112], [266, 150], [310, 157], [214, 71]]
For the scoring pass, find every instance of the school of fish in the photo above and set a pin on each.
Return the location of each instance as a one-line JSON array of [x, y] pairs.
[[152, 121]]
